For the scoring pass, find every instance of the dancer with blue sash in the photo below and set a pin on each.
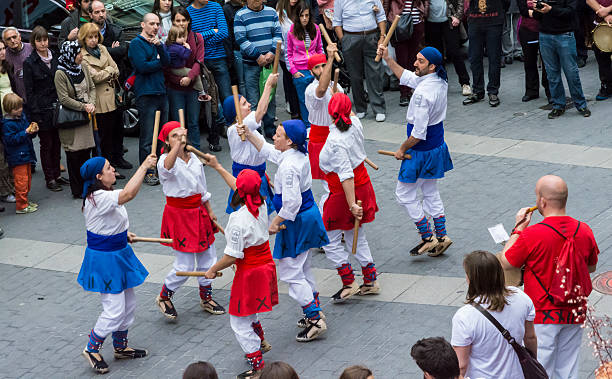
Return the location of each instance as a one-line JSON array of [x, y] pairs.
[[425, 143], [299, 213], [109, 265], [245, 155]]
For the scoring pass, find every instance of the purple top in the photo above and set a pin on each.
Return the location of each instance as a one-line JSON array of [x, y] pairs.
[[178, 55], [17, 59]]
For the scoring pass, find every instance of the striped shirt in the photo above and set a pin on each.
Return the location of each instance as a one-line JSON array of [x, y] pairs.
[[256, 32], [203, 21], [408, 8]]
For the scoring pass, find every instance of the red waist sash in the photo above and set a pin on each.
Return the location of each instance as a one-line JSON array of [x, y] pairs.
[[193, 201], [255, 256], [318, 134], [361, 178]]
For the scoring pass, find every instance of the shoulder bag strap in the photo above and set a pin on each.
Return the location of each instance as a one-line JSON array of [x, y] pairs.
[[494, 321]]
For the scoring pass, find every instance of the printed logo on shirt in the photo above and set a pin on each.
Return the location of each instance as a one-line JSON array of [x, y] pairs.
[[289, 180], [418, 99], [235, 235]]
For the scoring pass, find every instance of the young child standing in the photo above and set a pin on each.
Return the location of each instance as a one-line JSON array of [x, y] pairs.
[[17, 134], [179, 51]]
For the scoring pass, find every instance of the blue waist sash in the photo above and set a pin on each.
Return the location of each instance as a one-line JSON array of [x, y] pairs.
[[264, 190], [238, 167], [106, 243], [307, 201], [434, 138]]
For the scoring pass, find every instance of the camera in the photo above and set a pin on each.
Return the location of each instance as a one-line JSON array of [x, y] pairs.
[[539, 4]]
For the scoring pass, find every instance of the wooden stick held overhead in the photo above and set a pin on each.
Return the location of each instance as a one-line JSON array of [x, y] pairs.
[[195, 273], [328, 40], [279, 47], [388, 37], [355, 232], [336, 77], [149, 239], [238, 112], [155, 133], [368, 161], [181, 113], [392, 154]]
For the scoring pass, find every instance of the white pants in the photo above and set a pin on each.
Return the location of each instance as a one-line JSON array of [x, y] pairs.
[[558, 349], [190, 262], [325, 195], [296, 272], [336, 253], [117, 314], [406, 195], [243, 329]]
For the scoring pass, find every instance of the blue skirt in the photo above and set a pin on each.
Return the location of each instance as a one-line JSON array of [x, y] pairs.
[[111, 271], [307, 231], [428, 164], [265, 190]]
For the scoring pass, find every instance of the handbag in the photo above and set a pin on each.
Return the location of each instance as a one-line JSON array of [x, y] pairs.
[[68, 118], [404, 28], [532, 369]]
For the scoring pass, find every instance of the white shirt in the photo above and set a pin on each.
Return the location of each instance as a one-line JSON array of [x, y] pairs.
[[358, 15], [291, 179], [317, 106], [106, 217], [343, 151], [428, 103], [184, 178], [244, 152], [243, 231], [491, 355]]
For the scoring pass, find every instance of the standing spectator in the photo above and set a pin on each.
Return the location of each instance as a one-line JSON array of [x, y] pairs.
[[38, 74], [583, 18], [256, 28], [442, 29], [208, 20], [537, 248], [181, 91], [148, 56], [69, 28], [163, 8], [286, 13], [511, 48], [16, 54], [603, 14], [75, 90], [6, 85], [303, 41], [485, 25], [7, 81], [529, 37], [436, 357], [482, 350], [229, 10], [361, 26], [406, 51], [558, 49]]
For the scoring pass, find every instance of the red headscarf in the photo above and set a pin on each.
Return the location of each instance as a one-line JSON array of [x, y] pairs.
[[247, 185], [339, 107], [165, 131], [315, 60]]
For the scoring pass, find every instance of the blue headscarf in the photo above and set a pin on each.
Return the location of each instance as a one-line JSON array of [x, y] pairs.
[[89, 170], [434, 57], [296, 132], [229, 109]]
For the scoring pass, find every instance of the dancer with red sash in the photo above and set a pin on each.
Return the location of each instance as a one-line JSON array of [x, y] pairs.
[[254, 287], [342, 160], [187, 219]]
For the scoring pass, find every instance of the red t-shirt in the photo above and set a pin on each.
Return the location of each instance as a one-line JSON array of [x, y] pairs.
[[538, 248]]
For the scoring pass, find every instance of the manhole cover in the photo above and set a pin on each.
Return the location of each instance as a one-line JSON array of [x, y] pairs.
[[603, 283]]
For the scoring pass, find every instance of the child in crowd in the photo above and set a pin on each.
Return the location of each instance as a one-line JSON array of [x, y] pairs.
[[17, 134], [179, 51]]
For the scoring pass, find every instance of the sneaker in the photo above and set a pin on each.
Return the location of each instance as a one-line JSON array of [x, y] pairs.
[[584, 111], [249, 374], [556, 113], [426, 245], [443, 245], [28, 209], [129, 353], [369, 289], [493, 100], [380, 117], [604, 93], [473, 98], [345, 292], [314, 330], [9, 199], [404, 101], [166, 307], [96, 361], [54, 186], [287, 108], [151, 180], [466, 90], [360, 115], [63, 181], [212, 307], [214, 147], [33, 204]]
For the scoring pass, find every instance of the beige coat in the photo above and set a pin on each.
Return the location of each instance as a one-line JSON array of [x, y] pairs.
[[104, 72], [81, 137]]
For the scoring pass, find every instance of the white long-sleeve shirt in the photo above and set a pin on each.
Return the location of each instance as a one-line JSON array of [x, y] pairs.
[[343, 151], [184, 178], [317, 106], [428, 103], [244, 152], [244, 230]]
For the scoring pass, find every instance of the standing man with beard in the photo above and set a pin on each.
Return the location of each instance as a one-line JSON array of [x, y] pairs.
[[16, 54]]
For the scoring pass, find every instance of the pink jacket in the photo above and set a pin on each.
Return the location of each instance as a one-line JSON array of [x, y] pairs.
[[297, 56]]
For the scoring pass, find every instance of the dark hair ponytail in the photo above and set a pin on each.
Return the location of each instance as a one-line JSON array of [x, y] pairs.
[[97, 185], [341, 125]]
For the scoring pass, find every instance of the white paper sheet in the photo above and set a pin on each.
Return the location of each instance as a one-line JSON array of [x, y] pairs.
[[499, 234]]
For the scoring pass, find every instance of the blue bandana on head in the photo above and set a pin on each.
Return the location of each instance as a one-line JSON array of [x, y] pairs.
[[296, 132], [435, 57], [229, 109], [89, 170]]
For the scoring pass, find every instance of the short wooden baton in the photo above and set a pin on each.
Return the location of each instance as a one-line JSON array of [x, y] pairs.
[[336, 77], [155, 133], [328, 40], [355, 232], [238, 111], [279, 48], [372, 164], [196, 273], [392, 154], [388, 37], [148, 239]]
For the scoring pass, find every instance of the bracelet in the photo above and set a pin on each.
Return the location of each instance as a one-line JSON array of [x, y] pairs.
[[517, 232]]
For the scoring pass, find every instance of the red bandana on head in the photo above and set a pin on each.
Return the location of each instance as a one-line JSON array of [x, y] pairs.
[[340, 108], [165, 131], [315, 60], [247, 185]]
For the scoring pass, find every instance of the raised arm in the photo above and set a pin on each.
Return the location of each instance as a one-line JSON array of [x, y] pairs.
[[212, 162], [327, 70], [264, 99]]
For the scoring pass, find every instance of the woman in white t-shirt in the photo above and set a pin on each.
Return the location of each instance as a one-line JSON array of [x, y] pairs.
[[482, 350]]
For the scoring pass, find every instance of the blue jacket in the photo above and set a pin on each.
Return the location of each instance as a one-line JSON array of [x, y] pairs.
[[148, 67], [18, 145]]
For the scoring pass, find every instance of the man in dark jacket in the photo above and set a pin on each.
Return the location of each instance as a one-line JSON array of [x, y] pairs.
[[112, 33], [70, 26]]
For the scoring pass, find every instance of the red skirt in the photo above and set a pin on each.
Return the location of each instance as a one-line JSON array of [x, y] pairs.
[[187, 222], [254, 289], [336, 212], [316, 140]]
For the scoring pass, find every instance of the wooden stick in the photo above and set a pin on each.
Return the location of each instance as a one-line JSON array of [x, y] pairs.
[[392, 154], [181, 113], [388, 37], [238, 111], [95, 122], [148, 239], [368, 161], [155, 132], [196, 151], [355, 232], [279, 47], [336, 76], [219, 226], [195, 273], [532, 209], [328, 40]]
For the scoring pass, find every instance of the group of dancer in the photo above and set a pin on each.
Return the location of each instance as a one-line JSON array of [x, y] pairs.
[[334, 153]]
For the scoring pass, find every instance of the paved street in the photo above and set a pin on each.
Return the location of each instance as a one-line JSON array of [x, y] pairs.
[[498, 154]]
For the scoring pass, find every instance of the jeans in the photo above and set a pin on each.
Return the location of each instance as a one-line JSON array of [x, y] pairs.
[[480, 36], [147, 105], [218, 68], [188, 101], [251, 80], [300, 86], [239, 71], [559, 52], [438, 34]]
